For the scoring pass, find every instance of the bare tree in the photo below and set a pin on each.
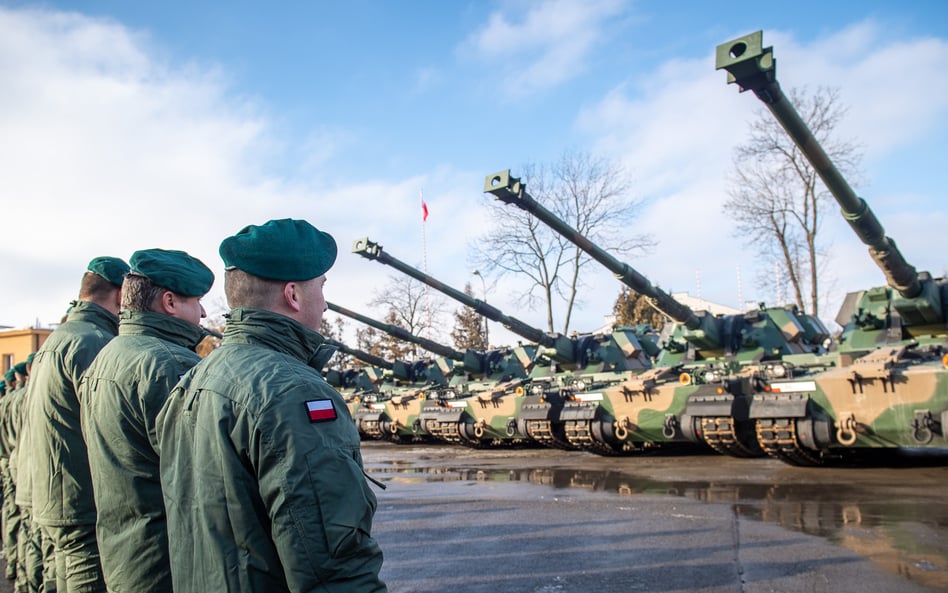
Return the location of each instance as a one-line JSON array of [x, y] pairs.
[[776, 197], [410, 305], [589, 193], [335, 329]]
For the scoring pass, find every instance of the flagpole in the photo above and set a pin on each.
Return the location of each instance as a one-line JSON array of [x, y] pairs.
[[424, 250]]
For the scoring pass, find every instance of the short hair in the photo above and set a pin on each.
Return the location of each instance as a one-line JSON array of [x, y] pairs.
[[140, 293], [246, 290], [95, 288]]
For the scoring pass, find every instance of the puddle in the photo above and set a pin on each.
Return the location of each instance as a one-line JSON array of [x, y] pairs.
[[894, 515]]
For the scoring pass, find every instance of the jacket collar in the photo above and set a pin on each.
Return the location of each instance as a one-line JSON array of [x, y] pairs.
[[97, 315], [277, 332], [165, 327]]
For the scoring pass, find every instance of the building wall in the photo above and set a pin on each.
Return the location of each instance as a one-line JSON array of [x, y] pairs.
[[16, 345]]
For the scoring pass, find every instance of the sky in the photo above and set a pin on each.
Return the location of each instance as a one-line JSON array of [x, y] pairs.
[[129, 125]]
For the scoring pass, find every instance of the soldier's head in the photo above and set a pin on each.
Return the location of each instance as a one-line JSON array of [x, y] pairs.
[[9, 379], [168, 282], [102, 283], [22, 374], [279, 266]]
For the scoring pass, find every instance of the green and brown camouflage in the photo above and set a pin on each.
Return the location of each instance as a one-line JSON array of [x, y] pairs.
[[396, 411], [361, 388], [886, 384], [699, 388], [479, 406], [510, 407]]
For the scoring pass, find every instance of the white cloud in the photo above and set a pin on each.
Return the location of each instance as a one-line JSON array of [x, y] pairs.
[[107, 150], [544, 48]]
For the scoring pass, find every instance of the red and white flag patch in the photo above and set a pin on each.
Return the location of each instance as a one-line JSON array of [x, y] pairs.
[[320, 410]]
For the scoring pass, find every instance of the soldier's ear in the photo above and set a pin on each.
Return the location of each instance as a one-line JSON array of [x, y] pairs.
[[291, 293], [167, 302]]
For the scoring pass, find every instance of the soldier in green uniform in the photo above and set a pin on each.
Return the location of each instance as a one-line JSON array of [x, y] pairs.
[[34, 552], [29, 560], [120, 395], [61, 485], [260, 463], [11, 514]]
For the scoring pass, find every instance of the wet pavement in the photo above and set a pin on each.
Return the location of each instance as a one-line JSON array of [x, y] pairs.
[[548, 521], [543, 520]]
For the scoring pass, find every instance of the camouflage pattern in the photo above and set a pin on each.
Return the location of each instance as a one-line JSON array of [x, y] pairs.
[[886, 385]]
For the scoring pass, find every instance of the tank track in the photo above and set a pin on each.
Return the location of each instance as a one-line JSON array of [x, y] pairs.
[[371, 429], [445, 431], [778, 438], [579, 434], [542, 432], [723, 435]]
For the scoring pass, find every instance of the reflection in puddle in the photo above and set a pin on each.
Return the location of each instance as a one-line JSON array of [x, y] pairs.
[[900, 528]]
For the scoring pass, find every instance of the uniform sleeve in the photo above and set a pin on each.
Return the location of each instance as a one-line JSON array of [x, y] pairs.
[[319, 504]]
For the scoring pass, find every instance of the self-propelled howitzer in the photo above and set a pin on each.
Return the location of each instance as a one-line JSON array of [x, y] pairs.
[[887, 386], [700, 387], [482, 407], [540, 394]]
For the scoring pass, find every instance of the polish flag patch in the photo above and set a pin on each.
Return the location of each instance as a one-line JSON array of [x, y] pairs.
[[320, 410]]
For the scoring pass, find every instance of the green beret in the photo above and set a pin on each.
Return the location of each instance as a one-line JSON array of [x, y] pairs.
[[111, 268], [10, 376], [30, 357], [175, 270], [287, 250], [20, 368]]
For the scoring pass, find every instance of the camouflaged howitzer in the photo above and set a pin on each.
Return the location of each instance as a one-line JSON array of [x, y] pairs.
[[408, 384], [532, 404], [699, 389], [886, 386], [480, 406], [361, 388]]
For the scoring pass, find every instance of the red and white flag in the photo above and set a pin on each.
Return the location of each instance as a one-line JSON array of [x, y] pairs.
[[424, 209], [320, 410]]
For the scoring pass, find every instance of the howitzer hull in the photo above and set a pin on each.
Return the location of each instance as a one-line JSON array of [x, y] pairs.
[[401, 421], [488, 418], [888, 399]]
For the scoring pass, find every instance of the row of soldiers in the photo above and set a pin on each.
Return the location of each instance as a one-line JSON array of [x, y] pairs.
[[21, 547], [136, 466]]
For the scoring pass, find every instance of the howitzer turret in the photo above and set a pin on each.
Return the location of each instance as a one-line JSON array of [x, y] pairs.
[[754, 68], [886, 386], [558, 347]]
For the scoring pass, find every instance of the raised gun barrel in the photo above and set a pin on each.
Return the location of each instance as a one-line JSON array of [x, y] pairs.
[[371, 250], [400, 333], [754, 68], [361, 355], [511, 191]]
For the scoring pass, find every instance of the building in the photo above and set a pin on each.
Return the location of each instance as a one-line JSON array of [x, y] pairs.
[[17, 344]]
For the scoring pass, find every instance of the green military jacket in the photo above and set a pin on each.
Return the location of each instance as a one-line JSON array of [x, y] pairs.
[[18, 430], [261, 469], [10, 428], [61, 484], [120, 395]]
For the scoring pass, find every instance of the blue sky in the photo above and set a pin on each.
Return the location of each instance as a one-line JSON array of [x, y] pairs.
[[135, 125]]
